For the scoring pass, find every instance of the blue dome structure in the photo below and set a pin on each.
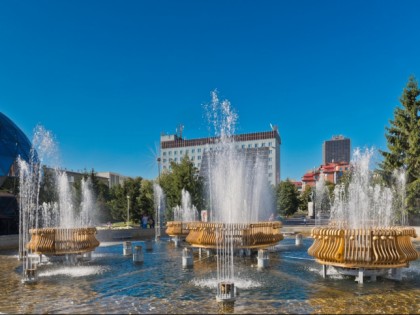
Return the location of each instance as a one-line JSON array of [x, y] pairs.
[[13, 143]]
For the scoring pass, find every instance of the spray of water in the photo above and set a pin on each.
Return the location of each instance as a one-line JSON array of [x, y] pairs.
[[365, 202], [159, 199], [236, 181], [186, 212], [63, 213]]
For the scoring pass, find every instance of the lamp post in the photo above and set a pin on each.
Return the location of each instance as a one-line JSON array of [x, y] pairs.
[[157, 223], [128, 209], [158, 161]]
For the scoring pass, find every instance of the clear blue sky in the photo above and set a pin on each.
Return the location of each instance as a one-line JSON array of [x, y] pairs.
[[107, 77]]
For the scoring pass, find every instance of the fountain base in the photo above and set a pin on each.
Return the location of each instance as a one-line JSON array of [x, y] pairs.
[[226, 292], [62, 241], [30, 276], [369, 248]]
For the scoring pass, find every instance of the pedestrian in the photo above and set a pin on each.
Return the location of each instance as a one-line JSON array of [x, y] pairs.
[[151, 223], [144, 221]]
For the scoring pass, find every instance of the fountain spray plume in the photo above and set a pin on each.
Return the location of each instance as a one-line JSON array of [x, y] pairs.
[[30, 176], [54, 220], [364, 201], [159, 199], [238, 189]]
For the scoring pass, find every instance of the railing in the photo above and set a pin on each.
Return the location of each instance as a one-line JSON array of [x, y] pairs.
[[60, 241], [373, 247]]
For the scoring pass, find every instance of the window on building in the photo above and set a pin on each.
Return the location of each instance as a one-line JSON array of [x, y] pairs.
[[175, 159], [199, 150], [270, 174], [170, 160], [164, 153], [198, 165], [270, 167], [256, 145], [164, 160], [269, 144], [170, 153], [175, 152], [192, 150], [192, 158], [271, 151], [263, 144], [186, 151], [180, 152], [249, 145], [199, 157], [164, 167], [243, 146]]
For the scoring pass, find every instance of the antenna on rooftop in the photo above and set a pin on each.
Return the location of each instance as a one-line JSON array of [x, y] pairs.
[[179, 130]]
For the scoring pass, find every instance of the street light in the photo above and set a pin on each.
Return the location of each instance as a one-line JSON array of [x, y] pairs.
[[128, 209], [158, 161]]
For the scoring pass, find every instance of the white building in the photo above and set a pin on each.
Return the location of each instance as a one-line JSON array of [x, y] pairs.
[[173, 148], [113, 178]]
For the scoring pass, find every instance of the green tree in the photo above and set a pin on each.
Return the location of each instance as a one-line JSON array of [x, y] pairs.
[[183, 176], [287, 198], [48, 191], [146, 199], [403, 143], [305, 197], [119, 202]]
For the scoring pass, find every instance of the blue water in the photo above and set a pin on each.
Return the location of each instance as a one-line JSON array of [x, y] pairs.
[[112, 283]]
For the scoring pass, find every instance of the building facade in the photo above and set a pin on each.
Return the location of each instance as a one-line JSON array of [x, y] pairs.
[[330, 172], [112, 179], [174, 147], [336, 150]]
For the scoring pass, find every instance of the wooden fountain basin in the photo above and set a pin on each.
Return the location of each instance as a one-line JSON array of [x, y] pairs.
[[363, 248], [61, 241], [241, 235], [177, 228]]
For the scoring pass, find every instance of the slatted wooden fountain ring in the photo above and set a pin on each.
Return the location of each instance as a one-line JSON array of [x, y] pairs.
[[61, 241], [371, 247], [243, 235]]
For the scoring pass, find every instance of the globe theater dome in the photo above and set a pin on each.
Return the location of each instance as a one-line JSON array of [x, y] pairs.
[[13, 143]]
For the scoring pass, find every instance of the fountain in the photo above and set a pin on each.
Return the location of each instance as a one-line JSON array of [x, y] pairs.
[[183, 215], [366, 235], [51, 229], [239, 199], [159, 199]]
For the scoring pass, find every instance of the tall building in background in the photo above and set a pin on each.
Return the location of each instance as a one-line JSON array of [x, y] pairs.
[[266, 144], [336, 150]]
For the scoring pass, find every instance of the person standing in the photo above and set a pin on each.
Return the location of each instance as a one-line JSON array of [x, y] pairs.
[[144, 221]]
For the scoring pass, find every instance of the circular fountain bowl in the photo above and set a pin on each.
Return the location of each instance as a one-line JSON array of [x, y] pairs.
[[177, 228], [372, 248], [61, 241], [241, 235]]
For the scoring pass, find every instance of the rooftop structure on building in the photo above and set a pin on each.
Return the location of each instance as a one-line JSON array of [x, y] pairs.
[[173, 147], [336, 150]]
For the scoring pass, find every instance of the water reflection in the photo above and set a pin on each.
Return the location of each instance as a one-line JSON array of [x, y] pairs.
[[111, 283]]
